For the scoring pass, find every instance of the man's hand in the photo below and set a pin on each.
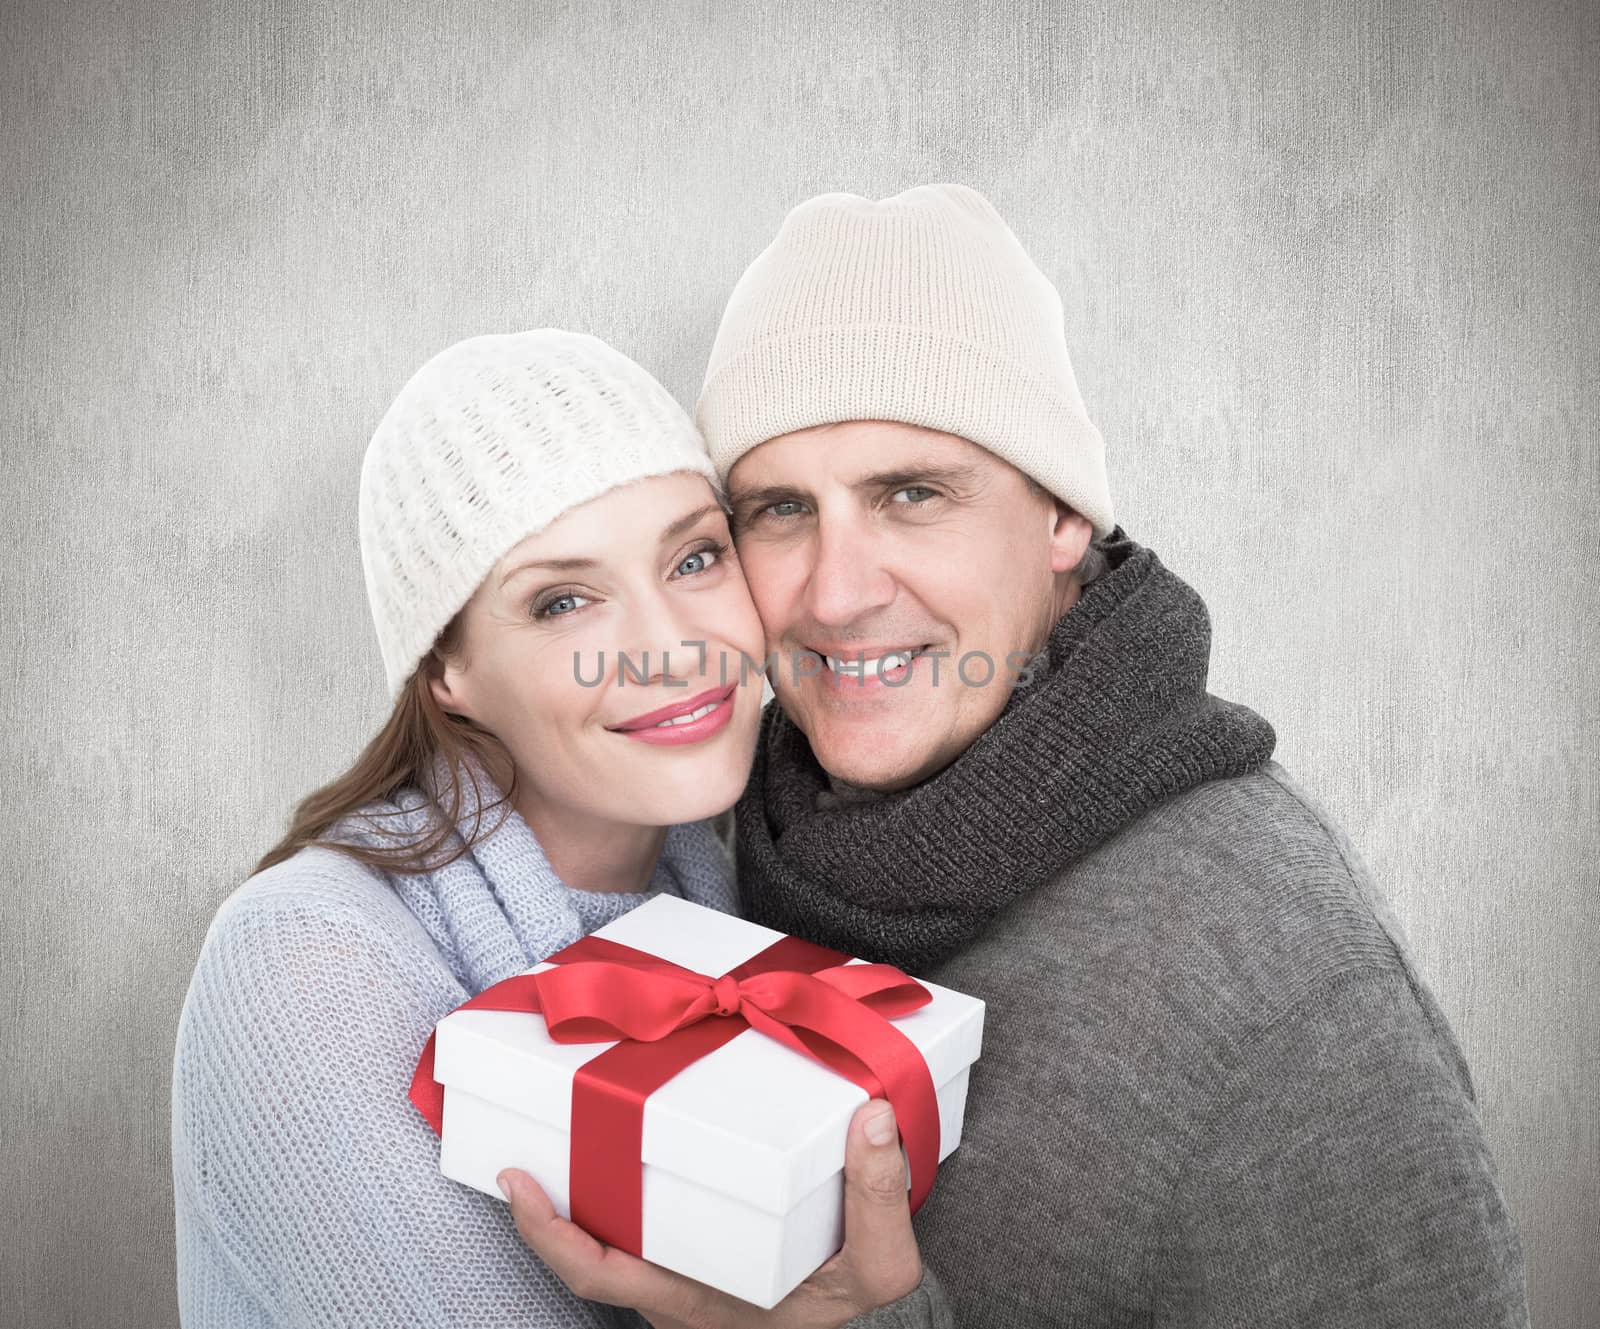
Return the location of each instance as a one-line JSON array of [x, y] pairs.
[[879, 1262]]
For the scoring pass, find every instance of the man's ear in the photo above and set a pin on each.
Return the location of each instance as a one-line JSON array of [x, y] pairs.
[[1070, 533]]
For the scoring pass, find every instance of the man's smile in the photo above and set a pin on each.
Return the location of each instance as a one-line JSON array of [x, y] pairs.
[[858, 667]]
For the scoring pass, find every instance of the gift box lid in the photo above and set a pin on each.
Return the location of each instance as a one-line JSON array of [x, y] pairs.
[[753, 1119]]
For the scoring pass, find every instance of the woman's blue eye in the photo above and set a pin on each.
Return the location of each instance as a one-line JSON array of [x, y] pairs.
[[562, 604], [916, 489], [698, 561]]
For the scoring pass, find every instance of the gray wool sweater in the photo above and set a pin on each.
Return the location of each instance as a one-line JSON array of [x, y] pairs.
[[1214, 1088], [1214, 1091]]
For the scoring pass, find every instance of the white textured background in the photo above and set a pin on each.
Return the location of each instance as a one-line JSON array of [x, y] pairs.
[[1332, 276]]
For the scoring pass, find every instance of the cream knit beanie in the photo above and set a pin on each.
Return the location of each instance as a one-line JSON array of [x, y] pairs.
[[490, 441], [921, 308]]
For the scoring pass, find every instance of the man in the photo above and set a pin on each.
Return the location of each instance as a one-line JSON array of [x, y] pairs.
[[1214, 1089]]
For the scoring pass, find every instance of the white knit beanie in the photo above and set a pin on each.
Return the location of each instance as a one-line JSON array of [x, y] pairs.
[[490, 441], [922, 308]]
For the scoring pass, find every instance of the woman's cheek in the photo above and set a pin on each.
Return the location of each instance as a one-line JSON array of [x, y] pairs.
[[579, 659], [739, 625]]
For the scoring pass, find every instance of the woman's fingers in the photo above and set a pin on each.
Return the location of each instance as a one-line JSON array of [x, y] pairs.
[[592, 1270], [879, 1263], [597, 1272]]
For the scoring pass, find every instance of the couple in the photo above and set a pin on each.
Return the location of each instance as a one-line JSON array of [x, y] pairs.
[[1214, 1089]]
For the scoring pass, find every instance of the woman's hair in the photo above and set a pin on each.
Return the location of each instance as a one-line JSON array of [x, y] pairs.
[[417, 731]]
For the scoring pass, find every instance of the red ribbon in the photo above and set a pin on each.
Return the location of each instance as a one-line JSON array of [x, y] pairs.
[[668, 1017]]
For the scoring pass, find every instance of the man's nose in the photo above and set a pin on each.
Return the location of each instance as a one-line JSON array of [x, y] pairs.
[[848, 577]]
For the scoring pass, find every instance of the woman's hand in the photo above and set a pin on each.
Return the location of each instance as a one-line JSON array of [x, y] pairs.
[[879, 1262]]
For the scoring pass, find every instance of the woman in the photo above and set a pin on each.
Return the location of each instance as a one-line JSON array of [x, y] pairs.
[[562, 619]]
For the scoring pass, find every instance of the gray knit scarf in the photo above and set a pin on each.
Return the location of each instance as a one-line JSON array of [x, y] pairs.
[[1115, 719], [500, 907]]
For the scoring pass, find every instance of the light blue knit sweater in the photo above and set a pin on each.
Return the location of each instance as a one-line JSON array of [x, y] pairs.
[[307, 1186]]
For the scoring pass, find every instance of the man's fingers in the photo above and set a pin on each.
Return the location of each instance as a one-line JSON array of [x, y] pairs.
[[874, 1167], [879, 1241]]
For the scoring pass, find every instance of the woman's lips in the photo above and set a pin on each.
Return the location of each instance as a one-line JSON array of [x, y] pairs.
[[668, 727]]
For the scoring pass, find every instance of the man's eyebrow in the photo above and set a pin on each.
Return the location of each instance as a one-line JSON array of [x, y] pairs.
[[953, 474], [763, 495], [670, 532]]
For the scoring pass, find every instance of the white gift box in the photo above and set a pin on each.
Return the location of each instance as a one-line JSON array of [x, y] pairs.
[[743, 1151]]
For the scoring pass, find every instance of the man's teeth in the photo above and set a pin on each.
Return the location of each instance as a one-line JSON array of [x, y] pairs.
[[692, 715], [869, 668]]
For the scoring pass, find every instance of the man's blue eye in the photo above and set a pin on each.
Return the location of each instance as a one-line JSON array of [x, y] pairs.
[[777, 509]]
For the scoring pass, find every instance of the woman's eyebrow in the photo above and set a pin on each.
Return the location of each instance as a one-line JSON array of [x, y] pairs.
[[688, 519], [552, 564], [671, 532]]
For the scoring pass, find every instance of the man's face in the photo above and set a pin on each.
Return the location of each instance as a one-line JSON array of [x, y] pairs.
[[888, 541]]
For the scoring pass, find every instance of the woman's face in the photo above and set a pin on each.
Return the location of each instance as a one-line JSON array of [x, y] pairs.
[[622, 614]]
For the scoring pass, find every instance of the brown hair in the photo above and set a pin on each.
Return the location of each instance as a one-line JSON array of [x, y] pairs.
[[418, 729]]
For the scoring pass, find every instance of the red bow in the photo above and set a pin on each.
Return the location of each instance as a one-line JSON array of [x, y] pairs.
[[668, 1017]]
